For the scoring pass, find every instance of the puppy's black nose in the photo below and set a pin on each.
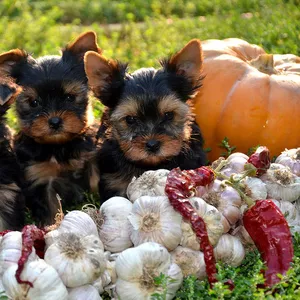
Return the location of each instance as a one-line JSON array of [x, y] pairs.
[[153, 145], [55, 122]]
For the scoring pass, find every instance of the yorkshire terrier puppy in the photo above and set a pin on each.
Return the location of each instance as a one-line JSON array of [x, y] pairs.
[[54, 147], [149, 118], [11, 198]]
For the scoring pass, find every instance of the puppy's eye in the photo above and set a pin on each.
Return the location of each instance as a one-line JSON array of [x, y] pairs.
[[168, 116], [130, 120], [34, 103], [70, 98]]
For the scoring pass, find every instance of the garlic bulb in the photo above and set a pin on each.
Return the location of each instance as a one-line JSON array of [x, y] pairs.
[[85, 292], [190, 261], [234, 164], [254, 188], [290, 158], [226, 199], [150, 183], [212, 218], [11, 250], [242, 234], [78, 260], [229, 250], [281, 183], [114, 231], [291, 213], [137, 267], [75, 221], [153, 219], [46, 282]]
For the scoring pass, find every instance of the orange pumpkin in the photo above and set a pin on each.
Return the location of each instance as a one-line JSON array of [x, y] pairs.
[[251, 97]]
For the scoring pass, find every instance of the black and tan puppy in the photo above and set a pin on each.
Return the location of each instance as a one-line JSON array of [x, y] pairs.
[[11, 197], [149, 119], [53, 146]]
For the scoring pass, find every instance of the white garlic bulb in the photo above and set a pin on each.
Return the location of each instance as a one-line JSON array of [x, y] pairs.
[[85, 292], [109, 276], [114, 231], [225, 199], [75, 221], [46, 282], [78, 260], [234, 164], [150, 183], [213, 220], [281, 183], [291, 159], [153, 219], [291, 213], [137, 267], [254, 188], [190, 261], [11, 250], [229, 250]]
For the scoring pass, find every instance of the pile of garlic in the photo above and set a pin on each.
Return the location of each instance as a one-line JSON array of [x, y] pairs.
[[121, 247]]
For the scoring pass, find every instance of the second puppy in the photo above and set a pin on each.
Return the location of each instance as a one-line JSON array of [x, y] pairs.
[[149, 120]]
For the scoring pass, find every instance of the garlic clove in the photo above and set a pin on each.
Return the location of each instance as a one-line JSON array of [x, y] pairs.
[[46, 282], [153, 219], [109, 276], [78, 260], [281, 183], [229, 250], [85, 292], [213, 220], [290, 158], [150, 183], [137, 267], [114, 230], [190, 261]]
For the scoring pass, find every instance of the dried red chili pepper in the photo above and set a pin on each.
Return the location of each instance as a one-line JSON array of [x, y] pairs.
[[261, 160], [4, 232], [271, 234], [30, 234], [179, 186]]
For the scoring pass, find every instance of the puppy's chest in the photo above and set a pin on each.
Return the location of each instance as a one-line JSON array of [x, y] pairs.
[[40, 172]]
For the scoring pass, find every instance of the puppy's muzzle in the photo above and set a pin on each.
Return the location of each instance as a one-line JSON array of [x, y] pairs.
[[153, 146], [55, 122]]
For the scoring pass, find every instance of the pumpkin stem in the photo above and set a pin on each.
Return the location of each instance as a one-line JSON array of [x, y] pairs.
[[264, 63]]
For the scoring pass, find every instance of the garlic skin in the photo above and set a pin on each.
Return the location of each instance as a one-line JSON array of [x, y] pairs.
[[75, 221], [137, 267], [78, 260], [109, 276], [191, 262], [281, 183], [225, 198], [150, 183], [153, 219], [11, 250], [213, 220], [290, 158], [114, 231], [235, 164], [255, 188], [46, 282], [85, 292], [291, 213], [229, 250]]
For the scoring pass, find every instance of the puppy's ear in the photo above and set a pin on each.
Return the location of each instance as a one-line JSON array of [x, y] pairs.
[[87, 41], [188, 61], [106, 77], [185, 69], [8, 93], [9, 59]]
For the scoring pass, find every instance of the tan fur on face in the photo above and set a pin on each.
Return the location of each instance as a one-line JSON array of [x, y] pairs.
[[136, 149], [126, 108], [42, 133], [75, 88]]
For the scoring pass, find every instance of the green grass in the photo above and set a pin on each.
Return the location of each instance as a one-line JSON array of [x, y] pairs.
[[146, 32]]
